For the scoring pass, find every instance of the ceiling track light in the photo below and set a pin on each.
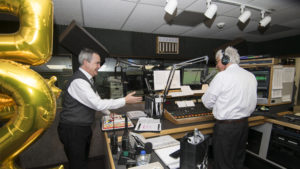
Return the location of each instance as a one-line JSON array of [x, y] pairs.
[[211, 9], [245, 14], [171, 6], [265, 20]]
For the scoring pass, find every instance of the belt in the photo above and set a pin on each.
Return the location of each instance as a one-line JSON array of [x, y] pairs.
[[232, 120]]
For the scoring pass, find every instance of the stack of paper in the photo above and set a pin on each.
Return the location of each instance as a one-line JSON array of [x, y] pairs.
[[148, 124], [136, 114], [163, 141]]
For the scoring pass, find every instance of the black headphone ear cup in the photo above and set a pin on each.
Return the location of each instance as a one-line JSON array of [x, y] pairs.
[[225, 59]]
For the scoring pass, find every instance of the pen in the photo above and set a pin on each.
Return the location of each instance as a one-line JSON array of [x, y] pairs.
[[158, 126], [139, 126]]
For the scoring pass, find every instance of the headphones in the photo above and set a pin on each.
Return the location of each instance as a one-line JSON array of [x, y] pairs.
[[225, 59]]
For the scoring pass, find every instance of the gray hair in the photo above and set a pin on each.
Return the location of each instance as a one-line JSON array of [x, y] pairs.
[[85, 54], [231, 52]]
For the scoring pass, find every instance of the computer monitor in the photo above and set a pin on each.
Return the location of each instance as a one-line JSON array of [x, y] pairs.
[[262, 75], [191, 76]]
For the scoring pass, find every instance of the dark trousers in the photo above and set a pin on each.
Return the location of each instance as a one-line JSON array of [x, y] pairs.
[[229, 144], [76, 141]]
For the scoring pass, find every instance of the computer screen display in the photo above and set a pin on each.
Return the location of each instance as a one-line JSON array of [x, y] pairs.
[[191, 76], [262, 75]]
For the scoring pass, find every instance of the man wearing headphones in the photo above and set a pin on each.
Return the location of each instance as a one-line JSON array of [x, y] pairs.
[[232, 96]]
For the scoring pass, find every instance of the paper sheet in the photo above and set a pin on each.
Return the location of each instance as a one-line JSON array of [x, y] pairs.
[[276, 93], [289, 73], [160, 78], [185, 103], [164, 155], [163, 141], [286, 98], [203, 90], [277, 78], [148, 124], [187, 90]]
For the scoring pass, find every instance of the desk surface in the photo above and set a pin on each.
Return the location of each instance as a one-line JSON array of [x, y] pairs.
[[176, 131]]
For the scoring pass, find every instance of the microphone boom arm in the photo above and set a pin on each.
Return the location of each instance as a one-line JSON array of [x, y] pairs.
[[178, 66]]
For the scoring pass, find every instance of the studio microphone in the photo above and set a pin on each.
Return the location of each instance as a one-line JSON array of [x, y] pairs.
[[204, 73], [148, 147]]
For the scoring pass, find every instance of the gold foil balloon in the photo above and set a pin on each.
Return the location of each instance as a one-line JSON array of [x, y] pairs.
[[7, 107], [32, 43], [35, 109], [27, 101]]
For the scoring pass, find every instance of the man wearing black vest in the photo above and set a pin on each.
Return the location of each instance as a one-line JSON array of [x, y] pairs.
[[80, 103]]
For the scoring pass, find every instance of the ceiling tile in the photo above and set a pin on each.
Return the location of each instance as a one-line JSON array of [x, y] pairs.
[[275, 4], [182, 4], [285, 15], [106, 14], [236, 12], [149, 16], [223, 8], [161, 3], [135, 1], [235, 31], [198, 6], [206, 30], [64, 13], [145, 18], [292, 23], [172, 30]]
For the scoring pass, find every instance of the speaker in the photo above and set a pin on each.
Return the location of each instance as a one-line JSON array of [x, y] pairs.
[[74, 38], [225, 59]]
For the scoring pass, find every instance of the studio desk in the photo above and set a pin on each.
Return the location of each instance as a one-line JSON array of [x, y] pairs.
[[176, 131]]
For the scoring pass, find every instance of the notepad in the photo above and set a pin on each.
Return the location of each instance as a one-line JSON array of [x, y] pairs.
[[164, 155], [148, 124], [163, 141]]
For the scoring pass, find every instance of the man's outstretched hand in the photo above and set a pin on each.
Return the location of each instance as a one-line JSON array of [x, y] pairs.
[[132, 99]]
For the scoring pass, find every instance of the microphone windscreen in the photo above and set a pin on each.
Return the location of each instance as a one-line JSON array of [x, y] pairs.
[[148, 147]]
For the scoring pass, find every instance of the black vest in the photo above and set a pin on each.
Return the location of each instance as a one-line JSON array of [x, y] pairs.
[[74, 112]]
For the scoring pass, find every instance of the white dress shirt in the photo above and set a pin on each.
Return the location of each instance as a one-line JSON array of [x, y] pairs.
[[231, 94], [81, 90]]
